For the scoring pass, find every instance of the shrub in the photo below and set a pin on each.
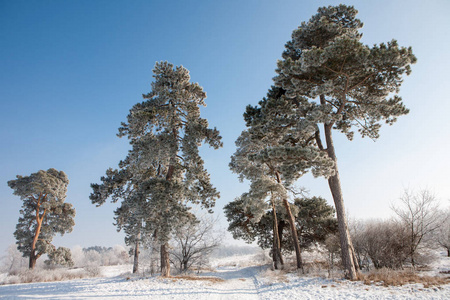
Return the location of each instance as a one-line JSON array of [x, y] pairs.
[[388, 277]]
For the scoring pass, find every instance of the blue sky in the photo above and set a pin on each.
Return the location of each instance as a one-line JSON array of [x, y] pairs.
[[71, 70]]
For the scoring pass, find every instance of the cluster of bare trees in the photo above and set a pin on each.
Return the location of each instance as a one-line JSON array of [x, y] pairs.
[[190, 247], [419, 225]]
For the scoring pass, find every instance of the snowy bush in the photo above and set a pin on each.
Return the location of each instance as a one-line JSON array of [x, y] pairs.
[[13, 262], [41, 275]]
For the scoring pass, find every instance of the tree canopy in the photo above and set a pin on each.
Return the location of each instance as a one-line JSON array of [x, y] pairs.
[[163, 171]]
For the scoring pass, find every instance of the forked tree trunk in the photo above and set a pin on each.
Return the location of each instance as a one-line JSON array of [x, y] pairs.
[[334, 182], [136, 255], [276, 250], [165, 262], [39, 220]]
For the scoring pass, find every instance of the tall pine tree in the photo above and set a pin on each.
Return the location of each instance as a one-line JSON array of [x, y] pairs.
[[341, 84], [165, 132]]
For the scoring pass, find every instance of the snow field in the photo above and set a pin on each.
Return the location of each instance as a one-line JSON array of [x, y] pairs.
[[237, 278]]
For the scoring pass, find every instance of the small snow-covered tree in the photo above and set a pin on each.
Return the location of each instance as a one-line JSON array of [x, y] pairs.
[[12, 261], [165, 132], [44, 212], [339, 83], [61, 256]]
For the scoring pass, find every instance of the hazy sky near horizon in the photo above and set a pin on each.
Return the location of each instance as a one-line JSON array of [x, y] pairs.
[[71, 70]]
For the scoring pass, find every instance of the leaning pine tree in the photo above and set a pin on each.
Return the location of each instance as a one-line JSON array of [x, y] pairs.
[[44, 214], [342, 84], [165, 132]]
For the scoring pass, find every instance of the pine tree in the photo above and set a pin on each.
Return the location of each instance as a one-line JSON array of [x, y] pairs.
[[342, 84], [273, 154], [44, 212], [164, 170]]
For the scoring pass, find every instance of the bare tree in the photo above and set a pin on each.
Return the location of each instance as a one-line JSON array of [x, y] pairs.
[[193, 242], [443, 234], [420, 215]]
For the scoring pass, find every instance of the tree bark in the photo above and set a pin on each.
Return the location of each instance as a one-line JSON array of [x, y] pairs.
[[294, 235], [281, 226], [334, 183], [136, 255], [276, 250], [32, 261], [165, 262], [39, 220]]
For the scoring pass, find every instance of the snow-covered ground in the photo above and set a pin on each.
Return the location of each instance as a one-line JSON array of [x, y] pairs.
[[233, 278]]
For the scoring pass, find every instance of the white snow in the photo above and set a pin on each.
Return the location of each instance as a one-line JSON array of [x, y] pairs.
[[239, 280]]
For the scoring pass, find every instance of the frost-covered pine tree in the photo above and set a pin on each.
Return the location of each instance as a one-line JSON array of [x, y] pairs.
[[339, 83], [272, 156], [44, 212], [165, 132]]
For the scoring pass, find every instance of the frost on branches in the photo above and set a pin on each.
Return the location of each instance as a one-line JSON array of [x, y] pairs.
[[163, 171], [272, 154], [339, 83], [44, 213]]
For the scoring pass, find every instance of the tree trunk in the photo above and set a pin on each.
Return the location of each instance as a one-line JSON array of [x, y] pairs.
[[39, 220], [281, 226], [448, 252], [32, 262], [334, 183], [294, 235], [276, 250], [165, 262], [136, 255]]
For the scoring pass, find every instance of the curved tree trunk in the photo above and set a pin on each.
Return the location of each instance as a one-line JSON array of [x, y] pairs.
[[334, 182], [39, 220]]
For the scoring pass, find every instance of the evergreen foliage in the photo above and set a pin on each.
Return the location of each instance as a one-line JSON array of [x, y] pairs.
[[314, 222], [327, 76], [44, 212], [61, 256], [163, 171]]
